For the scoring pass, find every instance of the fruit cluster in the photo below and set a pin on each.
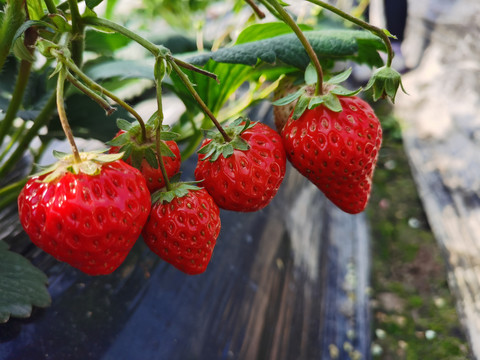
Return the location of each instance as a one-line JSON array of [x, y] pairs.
[[89, 213]]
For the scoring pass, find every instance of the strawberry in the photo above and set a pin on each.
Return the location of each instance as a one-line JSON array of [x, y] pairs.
[[141, 154], [245, 173], [337, 151], [86, 214], [183, 229]]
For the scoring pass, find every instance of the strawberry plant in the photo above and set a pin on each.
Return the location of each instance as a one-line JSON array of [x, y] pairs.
[[63, 74]]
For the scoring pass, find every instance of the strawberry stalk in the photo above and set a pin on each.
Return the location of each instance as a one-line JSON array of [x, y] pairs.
[[20, 86], [377, 31], [151, 47], [159, 74], [90, 93], [63, 115], [306, 44], [78, 32], [52, 9], [255, 9], [97, 87], [197, 97]]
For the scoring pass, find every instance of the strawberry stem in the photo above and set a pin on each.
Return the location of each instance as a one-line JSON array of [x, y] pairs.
[[78, 32], [20, 86], [377, 31], [159, 74], [97, 87], [306, 44], [52, 9], [63, 115], [256, 9], [197, 97], [92, 94]]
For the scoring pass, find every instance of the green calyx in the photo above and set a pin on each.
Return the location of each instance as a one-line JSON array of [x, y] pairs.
[[307, 99], [178, 190], [91, 164], [218, 146], [384, 83], [131, 144]]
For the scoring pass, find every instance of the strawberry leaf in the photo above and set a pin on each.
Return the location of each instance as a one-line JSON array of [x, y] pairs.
[[310, 75], [332, 102], [179, 189], [341, 91], [330, 44], [151, 158], [339, 78], [124, 124], [289, 98], [302, 104], [21, 286]]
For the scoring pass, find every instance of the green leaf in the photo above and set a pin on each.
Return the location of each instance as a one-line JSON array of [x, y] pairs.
[[120, 140], [122, 69], [151, 158], [311, 75], [266, 30], [341, 91], [21, 286], [91, 4], [21, 51], [339, 78], [301, 106], [166, 150], [124, 124], [328, 44], [103, 43], [179, 189], [289, 98], [332, 102], [30, 23]]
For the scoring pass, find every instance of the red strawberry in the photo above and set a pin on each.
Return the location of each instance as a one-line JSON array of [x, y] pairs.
[[88, 214], [245, 174], [153, 174], [184, 230], [337, 151]]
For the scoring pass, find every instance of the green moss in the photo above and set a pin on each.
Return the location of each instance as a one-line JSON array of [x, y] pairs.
[[408, 263]]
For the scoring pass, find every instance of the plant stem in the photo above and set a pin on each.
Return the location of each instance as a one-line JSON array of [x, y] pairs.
[[13, 18], [159, 74], [9, 193], [306, 44], [20, 86], [77, 43], [90, 93], [197, 97], [377, 31], [191, 67], [255, 8], [63, 115], [96, 21], [97, 87], [41, 120], [52, 9]]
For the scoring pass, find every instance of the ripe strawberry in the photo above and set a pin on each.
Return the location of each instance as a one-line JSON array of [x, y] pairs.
[[337, 151], [244, 174], [87, 214], [140, 152], [152, 175], [184, 230]]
